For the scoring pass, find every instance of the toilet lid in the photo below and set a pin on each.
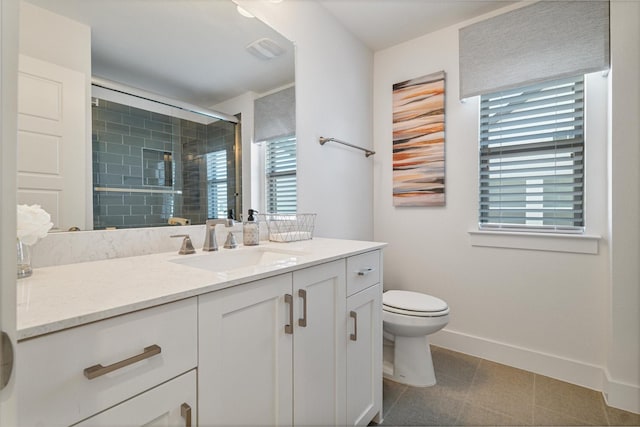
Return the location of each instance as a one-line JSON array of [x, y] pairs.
[[413, 301]]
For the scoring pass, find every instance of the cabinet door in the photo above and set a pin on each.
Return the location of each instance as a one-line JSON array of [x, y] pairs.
[[319, 345], [244, 370], [172, 404], [364, 356]]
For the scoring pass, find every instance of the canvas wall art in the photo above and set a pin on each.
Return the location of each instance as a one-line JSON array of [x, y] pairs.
[[418, 141]]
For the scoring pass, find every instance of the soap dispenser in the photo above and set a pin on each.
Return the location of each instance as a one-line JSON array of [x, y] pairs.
[[251, 230]]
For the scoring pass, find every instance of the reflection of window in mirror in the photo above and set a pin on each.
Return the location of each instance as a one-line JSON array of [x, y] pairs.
[[216, 162], [275, 130], [280, 175]]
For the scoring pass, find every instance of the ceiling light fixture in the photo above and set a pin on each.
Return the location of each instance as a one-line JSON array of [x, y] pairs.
[[244, 12]]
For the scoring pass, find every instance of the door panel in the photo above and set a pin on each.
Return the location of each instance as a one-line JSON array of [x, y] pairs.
[[52, 146]]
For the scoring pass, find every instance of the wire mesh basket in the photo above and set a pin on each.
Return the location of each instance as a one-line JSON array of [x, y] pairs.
[[290, 227]]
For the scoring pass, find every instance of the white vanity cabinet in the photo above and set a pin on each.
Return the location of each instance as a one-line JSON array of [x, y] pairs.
[[71, 375], [272, 352], [364, 347], [172, 404], [294, 345]]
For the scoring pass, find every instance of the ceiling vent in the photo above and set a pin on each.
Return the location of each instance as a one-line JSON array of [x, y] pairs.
[[265, 49]]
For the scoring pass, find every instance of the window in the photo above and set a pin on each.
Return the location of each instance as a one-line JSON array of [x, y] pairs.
[[216, 163], [280, 174], [532, 157]]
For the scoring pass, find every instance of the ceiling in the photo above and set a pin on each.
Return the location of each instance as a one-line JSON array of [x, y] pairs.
[[189, 50], [384, 23], [194, 50]]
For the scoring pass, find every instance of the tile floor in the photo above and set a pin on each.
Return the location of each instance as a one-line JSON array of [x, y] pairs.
[[473, 391]]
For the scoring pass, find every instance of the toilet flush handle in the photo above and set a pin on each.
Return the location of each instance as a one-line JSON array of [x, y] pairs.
[[365, 271]]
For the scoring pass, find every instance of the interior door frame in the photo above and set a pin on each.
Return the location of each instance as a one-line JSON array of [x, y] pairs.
[[9, 16]]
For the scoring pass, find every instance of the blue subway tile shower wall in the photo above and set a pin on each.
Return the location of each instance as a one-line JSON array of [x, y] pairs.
[[159, 158]]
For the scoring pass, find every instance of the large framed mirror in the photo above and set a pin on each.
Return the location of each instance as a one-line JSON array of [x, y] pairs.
[[165, 136]]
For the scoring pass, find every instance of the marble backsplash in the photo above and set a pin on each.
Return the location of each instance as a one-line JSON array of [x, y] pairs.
[[83, 246]]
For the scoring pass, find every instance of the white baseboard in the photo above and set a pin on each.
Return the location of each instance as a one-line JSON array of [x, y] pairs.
[[571, 371], [617, 394], [621, 395]]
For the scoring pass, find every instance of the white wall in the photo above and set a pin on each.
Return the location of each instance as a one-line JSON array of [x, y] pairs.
[[539, 310], [333, 99], [623, 358]]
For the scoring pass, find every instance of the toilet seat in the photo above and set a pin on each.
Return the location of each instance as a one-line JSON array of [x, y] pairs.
[[410, 303]]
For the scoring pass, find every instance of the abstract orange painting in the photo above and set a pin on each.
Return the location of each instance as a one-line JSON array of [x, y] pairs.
[[418, 141]]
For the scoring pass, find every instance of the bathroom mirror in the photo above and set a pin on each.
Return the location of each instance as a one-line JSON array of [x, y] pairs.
[[201, 53]]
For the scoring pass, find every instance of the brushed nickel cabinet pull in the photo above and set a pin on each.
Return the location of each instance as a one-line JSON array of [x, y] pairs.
[[303, 294], [365, 271], [96, 371], [185, 412], [354, 335], [288, 328]]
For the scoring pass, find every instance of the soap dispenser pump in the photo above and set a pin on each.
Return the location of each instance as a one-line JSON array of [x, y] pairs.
[[251, 230]]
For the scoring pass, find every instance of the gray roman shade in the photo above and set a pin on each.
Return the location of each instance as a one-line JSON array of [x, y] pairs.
[[275, 115], [544, 41]]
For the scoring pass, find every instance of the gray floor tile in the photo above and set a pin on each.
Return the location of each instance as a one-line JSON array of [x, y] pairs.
[[454, 364], [547, 417], [472, 415], [571, 400], [423, 407], [477, 392], [618, 417], [391, 391], [503, 389]]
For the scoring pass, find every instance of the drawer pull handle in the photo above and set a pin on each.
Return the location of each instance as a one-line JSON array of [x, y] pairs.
[[185, 412], [96, 371], [288, 328], [303, 294], [354, 335], [365, 271]]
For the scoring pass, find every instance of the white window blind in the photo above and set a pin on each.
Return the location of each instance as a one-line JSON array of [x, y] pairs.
[[280, 168], [216, 163], [532, 157]]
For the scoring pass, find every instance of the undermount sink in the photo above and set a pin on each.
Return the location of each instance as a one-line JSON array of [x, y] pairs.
[[226, 260]]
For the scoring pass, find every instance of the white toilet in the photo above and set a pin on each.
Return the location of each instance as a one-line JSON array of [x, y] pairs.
[[407, 319]]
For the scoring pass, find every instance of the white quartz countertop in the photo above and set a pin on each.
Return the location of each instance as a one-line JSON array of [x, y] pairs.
[[64, 296]]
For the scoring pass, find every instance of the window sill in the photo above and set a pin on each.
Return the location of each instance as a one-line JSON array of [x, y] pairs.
[[572, 243]]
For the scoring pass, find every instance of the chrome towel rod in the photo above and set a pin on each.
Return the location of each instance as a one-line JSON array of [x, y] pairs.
[[367, 152]]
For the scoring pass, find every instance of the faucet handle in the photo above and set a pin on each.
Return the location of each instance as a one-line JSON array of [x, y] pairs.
[[187, 246], [231, 242]]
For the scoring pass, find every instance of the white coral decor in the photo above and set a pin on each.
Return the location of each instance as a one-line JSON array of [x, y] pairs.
[[33, 223]]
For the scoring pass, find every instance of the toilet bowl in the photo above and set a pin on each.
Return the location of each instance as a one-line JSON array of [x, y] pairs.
[[407, 320]]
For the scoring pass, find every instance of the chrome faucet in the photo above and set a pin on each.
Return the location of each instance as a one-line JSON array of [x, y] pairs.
[[210, 240]]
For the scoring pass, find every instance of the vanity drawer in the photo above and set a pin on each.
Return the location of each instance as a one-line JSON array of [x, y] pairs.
[[144, 348], [362, 271]]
